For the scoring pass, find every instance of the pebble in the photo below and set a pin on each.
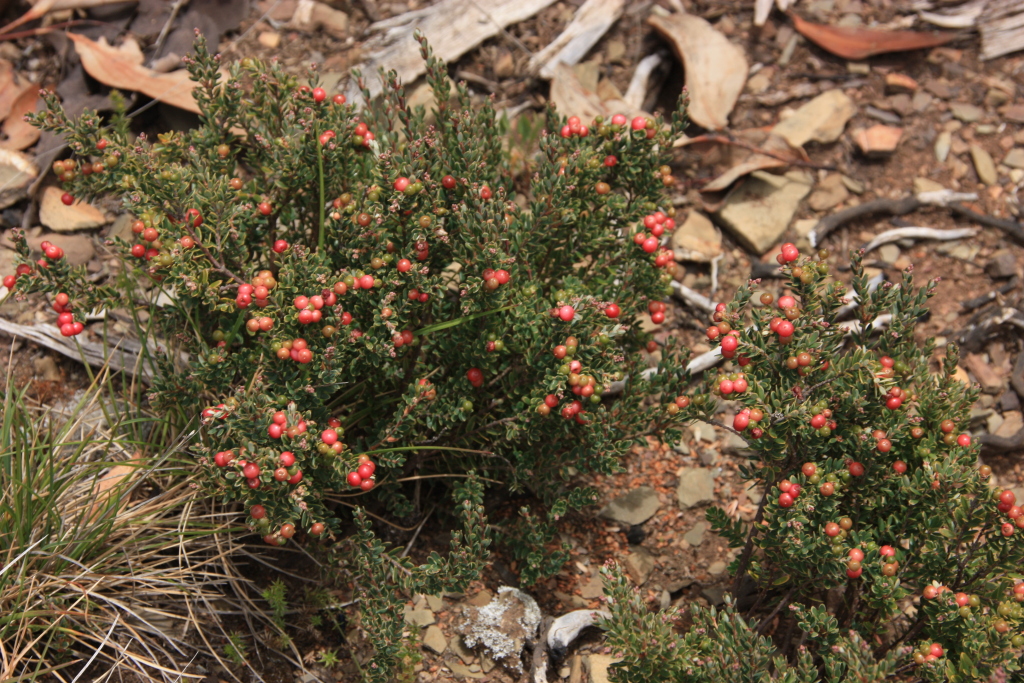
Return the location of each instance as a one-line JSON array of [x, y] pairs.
[[695, 536], [984, 166], [433, 639], [696, 486], [635, 507], [717, 568], [47, 369], [1014, 158], [878, 140], [968, 113], [889, 253]]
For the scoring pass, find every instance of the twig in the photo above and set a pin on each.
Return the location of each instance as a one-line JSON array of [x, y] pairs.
[[895, 207], [695, 299], [918, 233], [416, 534], [778, 608], [219, 266], [1011, 228], [175, 8], [714, 273], [979, 301]]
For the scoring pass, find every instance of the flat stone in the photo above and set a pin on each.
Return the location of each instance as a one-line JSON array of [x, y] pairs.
[[418, 617], [823, 119], [695, 536], [943, 143], [852, 184], [983, 165], [708, 456], [994, 422], [926, 185], [1014, 113], [696, 487], [884, 116], [465, 654], [759, 212], [54, 214], [1001, 264], [734, 444], [635, 507], [968, 113], [921, 101], [269, 39], [714, 595], [996, 97], [638, 564], [878, 140], [482, 598], [992, 380], [435, 603], [434, 640], [889, 253], [1014, 158], [829, 193], [594, 588], [1013, 422], [46, 369], [597, 666], [697, 239], [704, 431], [939, 87], [717, 568], [461, 670], [1009, 401]]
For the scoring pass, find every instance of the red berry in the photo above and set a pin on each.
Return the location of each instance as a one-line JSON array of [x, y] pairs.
[[9, 281], [884, 445], [338, 99], [448, 182], [639, 123], [729, 343], [964, 440], [947, 426], [319, 95], [856, 469], [740, 422], [785, 329], [365, 470], [650, 245], [485, 192], [566, 313], [1007, 497], [832, 529], [610, 160], [611, 310], [475, 376], [739, 385], [264, 208], [887, 551], [401, 183], [935, 649], [899, 466], [275, 431], [67, 198], [366, 485], [251, 470], [354, 479], [329, 437], [296, 479], [854, 573], [818, 421], [280, 246], [809, 468], [785, 500], [856, 554], [258, 512]]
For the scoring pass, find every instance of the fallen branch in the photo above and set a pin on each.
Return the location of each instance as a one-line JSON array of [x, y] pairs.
[[591, 21], [636, 93], [725, 140], [894, 207], [988, 297], [917, 233], [122, 355], [695, 299]]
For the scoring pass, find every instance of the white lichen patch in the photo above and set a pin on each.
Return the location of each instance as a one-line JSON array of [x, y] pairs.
[[503, 626]]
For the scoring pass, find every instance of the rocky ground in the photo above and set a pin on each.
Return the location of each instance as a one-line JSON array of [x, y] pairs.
[[809, 135]]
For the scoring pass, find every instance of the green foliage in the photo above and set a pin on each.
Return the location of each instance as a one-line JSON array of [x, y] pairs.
[[235, 649], [894, 544]]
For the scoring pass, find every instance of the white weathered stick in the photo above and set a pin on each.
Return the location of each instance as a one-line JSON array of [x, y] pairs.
[[964, 16], [568, 627], [590, 22], [453, 28], [693, 298], [636, 93], [851, 326], [917, 233]]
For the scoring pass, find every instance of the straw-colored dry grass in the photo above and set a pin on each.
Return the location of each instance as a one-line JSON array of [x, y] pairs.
[[109, 562]]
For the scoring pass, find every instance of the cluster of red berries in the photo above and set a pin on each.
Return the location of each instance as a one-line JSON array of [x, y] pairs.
[[362, 477], [565, 313], [733, 383], [928, 652], [475, 377], [853, 566], [11, 280], [279, 426], [743, 419], [788, 254], [495, 278], [69, 327], [657, 311], [677, 404], [1008, 506], [788, 492], [257, 291], [571, 410], [649, 239], [310, 307], [296, 349], [362, 135], [573, 128]]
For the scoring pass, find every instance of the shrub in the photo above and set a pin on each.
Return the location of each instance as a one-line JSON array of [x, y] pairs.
[[879, 550], [369, 302]]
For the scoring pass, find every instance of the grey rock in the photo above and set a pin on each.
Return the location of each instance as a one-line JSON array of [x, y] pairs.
[[1014, 158], [889, 253], [434, 640], [1009, 401], [1002, 264], [921, 101], [594, 588], [695, 536], [638, 564], [983, 165], [435, 602], [830, 192], [902, 104], [852, 184], [681, 447], [697, 239], [696, 487], [717, 568], [46, 369], [735, 444], [503, 626], [993, 423], [597, 667], [464, 653], [463, 671], [714, 595], [926, 185], [704, 431], [968, 113], [708, 456], [760, 211], [882, 115], [635, 507]]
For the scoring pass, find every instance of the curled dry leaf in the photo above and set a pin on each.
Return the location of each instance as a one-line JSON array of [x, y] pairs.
[[859, 43], [106, 485], [17, 132], [116, 68], [570, 98], [716, 70]]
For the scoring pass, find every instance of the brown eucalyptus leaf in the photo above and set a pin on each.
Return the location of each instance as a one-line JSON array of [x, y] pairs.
[[17, 133], [853, 42]]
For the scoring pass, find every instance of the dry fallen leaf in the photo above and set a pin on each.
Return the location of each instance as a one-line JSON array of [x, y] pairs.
[[715, 68], [859, 43], [17, 132], [56, 215], [114, 476], [781, 154], [570, 98], [115, 68], [16, 173]]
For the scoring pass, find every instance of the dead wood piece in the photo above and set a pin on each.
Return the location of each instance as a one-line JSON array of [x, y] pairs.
[[636, 93], [992, 444], [917, 233], [978, 331], [1011, 228], [695, 299], [452, 27], [589, 24], [1002, 28], [988, 297]]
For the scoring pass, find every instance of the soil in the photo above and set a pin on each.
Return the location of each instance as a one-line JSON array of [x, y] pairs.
[[682, 571]]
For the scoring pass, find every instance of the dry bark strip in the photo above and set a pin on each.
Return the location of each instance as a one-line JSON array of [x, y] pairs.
[[590, 22], [452, 27]]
